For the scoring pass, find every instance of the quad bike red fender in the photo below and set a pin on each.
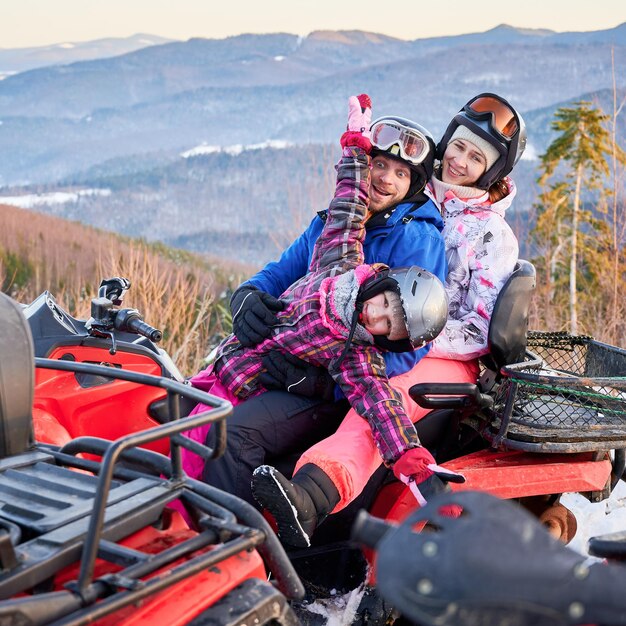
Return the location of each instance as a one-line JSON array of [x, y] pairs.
[[509, 474], [94, 405]]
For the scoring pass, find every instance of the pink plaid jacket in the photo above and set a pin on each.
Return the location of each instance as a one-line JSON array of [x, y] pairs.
[[310, 327]]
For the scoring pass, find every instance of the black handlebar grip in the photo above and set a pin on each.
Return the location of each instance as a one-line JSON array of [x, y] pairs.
[[129, 320], [145, 330], [368, 530]]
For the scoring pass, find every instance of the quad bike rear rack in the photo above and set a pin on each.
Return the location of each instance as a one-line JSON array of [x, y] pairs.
[[567, 395], [63, 515]]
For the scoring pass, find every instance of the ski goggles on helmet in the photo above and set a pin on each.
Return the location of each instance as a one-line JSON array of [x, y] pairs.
[[501, 116], [412, 144]]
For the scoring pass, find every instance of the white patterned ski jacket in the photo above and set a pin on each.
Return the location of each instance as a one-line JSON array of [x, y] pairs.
[[481, 250]]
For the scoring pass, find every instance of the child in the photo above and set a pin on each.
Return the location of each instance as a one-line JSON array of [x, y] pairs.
[[340, 312]]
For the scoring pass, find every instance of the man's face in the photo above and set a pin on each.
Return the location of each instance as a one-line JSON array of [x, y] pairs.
[[390, 182]]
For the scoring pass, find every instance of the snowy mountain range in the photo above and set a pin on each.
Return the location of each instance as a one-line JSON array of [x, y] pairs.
[[129, 121]]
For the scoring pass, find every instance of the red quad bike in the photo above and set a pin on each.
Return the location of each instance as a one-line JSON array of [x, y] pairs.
[[86, 535], [502, 433]]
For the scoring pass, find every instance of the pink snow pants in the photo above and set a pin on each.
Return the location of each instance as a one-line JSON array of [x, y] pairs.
[[350, 456], [206, 381]]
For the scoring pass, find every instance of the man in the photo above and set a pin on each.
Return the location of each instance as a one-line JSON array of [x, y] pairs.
[[403, 229]]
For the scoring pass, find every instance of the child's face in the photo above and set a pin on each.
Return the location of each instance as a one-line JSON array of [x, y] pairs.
[[377, 315]]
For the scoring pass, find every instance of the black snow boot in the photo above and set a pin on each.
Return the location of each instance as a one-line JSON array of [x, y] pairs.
[[299, 505]]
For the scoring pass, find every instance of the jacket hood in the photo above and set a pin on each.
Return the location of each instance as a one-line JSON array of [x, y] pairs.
[[418, 197], [338, 298]]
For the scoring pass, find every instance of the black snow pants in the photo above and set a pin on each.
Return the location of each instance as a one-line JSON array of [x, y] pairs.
[[273, 428]]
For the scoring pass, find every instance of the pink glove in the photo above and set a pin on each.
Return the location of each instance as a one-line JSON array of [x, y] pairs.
[[417, 465], [359, 122]]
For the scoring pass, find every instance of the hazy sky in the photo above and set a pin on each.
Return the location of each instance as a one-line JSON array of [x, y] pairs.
[[25, 23]]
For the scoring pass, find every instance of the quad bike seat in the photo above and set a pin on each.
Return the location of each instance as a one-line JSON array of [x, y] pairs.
[[509, 321], [507, 344]]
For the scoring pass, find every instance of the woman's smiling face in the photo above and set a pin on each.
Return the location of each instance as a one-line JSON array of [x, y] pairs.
[[462, 164]]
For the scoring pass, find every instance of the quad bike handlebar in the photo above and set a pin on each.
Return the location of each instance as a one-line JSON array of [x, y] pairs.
[[129, 320], [106, 317]]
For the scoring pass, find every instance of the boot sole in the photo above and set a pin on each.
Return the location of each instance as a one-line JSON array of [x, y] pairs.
[[269, 493]]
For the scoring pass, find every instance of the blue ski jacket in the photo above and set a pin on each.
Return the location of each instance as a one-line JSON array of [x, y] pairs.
[[409, 234]]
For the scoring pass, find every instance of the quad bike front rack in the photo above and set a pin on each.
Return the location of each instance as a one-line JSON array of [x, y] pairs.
[[69, 526]]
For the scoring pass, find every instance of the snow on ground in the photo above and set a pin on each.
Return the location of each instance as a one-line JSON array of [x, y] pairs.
[[608, 516], [594, 519], [340, 610]]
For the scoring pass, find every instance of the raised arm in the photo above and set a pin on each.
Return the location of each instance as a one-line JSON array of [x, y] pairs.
[[342, 238]]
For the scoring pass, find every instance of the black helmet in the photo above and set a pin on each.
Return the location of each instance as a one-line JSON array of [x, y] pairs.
[[493, 119], [402, 139], [424, 302]]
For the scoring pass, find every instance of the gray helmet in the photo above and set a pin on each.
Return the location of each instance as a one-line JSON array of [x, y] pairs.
[[424, 302]]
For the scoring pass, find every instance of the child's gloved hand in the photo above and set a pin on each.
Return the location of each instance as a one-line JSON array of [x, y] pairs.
[[417, 468], [286, 371], [359, 122]]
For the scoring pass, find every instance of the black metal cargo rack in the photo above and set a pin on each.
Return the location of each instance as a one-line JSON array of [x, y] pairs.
[[52, 516], [568, 395]]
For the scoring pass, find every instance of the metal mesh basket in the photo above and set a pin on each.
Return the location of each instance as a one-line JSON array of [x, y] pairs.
[[568, 395]]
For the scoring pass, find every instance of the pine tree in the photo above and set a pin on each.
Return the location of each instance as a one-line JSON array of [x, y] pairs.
[[573, 167]]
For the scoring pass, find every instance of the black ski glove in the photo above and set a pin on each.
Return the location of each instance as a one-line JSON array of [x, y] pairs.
[[253, 312], [286, 371]]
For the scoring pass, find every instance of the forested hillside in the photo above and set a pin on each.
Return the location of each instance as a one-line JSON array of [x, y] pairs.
[[181, 293]]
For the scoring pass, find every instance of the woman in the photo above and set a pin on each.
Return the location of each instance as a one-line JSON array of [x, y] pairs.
[[477, 151]]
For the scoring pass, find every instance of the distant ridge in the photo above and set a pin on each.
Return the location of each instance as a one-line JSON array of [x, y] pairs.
[[21, 59]]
